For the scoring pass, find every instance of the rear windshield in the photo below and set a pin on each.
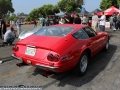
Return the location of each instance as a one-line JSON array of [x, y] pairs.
[[54, 31]]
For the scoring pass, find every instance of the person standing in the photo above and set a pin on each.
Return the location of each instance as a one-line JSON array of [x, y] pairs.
[[76, 19], [94, 21], [102, 22], [9, 37], [118, 22], [0, 29], [67, 18], [62, 21], [35, 23], [42, 21], [84, 20], [87, 20], [111, 22], [18, 23], [114, 21], [3, 26], [13, 23], [72, 18], [47, 21]]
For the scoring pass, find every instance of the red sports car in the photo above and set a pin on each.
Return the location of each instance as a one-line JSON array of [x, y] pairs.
[[59, 48]]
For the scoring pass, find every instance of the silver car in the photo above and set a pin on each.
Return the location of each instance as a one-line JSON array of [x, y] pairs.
[[26, 33]]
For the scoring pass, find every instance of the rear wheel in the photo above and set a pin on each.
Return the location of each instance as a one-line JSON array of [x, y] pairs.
[[82, 65]]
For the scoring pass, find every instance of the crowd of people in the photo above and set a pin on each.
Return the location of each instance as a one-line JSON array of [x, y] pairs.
[[76, 19], [66, 19], [101, 22]]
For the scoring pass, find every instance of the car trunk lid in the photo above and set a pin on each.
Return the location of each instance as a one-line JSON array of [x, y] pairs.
[[42, 45]]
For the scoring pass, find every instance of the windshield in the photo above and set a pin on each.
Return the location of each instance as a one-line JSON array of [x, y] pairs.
[[54, 31]]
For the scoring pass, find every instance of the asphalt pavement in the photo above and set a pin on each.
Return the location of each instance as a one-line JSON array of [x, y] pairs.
[[103, 72]]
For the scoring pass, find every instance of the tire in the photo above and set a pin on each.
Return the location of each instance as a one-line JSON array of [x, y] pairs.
[[106, 46], [80, 68]]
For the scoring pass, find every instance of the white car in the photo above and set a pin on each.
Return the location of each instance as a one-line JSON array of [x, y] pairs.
[[26, 33]]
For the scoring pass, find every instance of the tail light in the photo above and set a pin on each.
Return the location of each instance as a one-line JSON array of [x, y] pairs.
[[15, 48], [54, 58], [50, 57]]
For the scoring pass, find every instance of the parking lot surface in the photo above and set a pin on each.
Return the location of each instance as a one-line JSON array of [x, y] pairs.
[[103, 72]]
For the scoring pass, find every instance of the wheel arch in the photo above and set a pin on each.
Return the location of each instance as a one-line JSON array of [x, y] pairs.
[[87, 50]]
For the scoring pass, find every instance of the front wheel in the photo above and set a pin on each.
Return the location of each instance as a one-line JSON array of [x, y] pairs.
[[106, 46], [82, 65]]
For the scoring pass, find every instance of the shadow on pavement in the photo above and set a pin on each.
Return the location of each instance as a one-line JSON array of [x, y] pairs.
[[98, 63]]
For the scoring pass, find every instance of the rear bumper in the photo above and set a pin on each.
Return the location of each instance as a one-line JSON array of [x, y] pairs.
[[19, 59], [47, 67], [41, 66], [15, 57]]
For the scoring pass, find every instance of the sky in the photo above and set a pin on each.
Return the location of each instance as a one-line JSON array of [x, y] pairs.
[[26, 6]]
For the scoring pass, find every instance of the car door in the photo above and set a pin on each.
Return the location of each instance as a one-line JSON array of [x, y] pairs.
[[94, 40]]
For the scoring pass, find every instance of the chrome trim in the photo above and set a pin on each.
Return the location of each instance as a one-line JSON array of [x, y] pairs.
[[46, 67], [30, 46], [19, 60], [15, 57]]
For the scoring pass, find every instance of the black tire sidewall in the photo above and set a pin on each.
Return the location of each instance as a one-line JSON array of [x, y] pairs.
[[106, 49], [78, 70]]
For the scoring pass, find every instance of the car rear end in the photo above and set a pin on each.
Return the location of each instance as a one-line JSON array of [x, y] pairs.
[[38, 54], [43, 51]]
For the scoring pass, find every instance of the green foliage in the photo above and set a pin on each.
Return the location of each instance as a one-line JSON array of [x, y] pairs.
[[42, 11], [118, 2], [13, 17], [70, 5], [5, 7], [105, 4]]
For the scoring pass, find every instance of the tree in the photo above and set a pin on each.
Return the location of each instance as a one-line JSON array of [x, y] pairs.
[[12, 17], [107, 3], [5, 7], [49, 10], [118, 2], [45, 10], [70, 5], [13, 14]]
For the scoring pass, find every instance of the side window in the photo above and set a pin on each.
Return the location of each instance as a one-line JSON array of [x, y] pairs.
[[90, 32], [80, 34]]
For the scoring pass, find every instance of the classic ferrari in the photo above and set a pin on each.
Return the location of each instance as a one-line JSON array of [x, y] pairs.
[[59, 48]]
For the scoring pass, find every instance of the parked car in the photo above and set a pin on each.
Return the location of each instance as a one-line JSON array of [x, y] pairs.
[[23, 23], [7, 25], [30, 22], [59, 48], [27, 33]]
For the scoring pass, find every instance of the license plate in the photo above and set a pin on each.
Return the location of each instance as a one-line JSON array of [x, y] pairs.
[[30, 51]]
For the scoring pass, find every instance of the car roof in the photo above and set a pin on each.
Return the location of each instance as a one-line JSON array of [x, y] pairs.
[[72, 25]]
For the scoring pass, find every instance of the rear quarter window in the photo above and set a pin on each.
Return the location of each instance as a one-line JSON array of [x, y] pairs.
[[80, 34]]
